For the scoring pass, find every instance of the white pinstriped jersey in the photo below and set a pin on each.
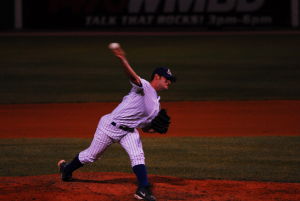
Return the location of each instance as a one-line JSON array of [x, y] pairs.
[[136, 110]]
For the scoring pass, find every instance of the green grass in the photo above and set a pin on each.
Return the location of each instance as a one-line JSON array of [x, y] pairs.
[[234, 158], [39, 69]]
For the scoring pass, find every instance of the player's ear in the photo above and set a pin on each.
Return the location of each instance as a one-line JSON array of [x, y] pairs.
[[156, 77]]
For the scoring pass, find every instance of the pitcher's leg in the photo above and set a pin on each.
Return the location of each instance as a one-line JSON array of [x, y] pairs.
[[133, 146], [89, 155], [99, 144]]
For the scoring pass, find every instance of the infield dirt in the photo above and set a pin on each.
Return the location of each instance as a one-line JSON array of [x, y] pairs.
[[121, 187], [232, 118], [220, 118]]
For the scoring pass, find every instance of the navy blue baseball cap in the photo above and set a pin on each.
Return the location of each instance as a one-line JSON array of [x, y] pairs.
[[164, 71]]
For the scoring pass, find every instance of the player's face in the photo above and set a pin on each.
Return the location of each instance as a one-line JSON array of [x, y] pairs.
[[164, 83]]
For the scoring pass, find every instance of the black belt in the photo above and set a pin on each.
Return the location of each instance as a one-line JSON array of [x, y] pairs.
[[124, 128]]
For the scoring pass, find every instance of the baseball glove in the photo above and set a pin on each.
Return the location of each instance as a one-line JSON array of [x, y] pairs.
[[161, 122]]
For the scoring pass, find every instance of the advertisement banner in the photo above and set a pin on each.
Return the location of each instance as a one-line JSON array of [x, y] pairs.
[[205, 14]]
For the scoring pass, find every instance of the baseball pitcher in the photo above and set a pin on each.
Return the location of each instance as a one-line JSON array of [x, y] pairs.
[[140, 108]]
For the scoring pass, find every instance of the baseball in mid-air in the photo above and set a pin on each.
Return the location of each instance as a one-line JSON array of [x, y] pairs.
[[114, 46]]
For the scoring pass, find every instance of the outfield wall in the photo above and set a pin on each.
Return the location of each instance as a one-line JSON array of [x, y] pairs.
[[200, 14]]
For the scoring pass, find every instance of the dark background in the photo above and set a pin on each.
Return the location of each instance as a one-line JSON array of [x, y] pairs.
[[67, 14]]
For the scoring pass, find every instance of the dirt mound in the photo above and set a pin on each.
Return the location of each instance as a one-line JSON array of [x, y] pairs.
[[121, 186]]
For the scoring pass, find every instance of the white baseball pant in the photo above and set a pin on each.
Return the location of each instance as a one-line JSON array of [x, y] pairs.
[[131, 142]]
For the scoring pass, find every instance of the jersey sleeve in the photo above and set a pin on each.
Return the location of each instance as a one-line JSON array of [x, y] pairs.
[[139, 89]]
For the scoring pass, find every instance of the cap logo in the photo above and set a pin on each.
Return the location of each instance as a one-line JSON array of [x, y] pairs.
[[169, 72]]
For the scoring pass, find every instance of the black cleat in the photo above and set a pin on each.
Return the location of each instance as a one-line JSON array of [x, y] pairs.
[[64, 175], [144, 193]]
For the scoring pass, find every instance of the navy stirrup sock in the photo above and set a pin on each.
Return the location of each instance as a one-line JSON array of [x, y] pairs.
[[141, 174], [73, 165]]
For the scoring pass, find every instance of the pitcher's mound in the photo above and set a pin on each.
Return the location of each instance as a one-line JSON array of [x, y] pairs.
[[121, 187]]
